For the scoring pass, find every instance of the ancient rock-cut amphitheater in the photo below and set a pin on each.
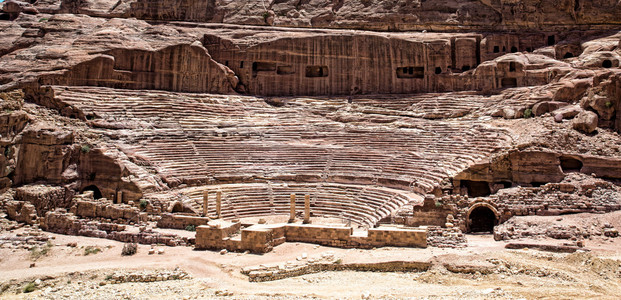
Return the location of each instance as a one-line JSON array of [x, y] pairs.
[[354, 124]]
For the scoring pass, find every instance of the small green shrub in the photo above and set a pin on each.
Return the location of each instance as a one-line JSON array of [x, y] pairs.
[[29, 288], [528, 113], [190, 228], [85, 148], [109, 277], [266, 15], [91, 250], [143, 204], [43, 19], [609, 104], [338, 261], [37, 252], [438, 204], [129, 249]]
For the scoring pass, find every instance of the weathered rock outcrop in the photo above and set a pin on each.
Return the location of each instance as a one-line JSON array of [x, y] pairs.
[[371, 15]]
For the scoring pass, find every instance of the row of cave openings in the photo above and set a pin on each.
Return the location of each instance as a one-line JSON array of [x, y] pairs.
[[313, 71], [483, 218]]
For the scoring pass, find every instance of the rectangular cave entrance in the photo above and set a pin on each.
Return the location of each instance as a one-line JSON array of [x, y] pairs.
[[508, 82], [476, 188], [411, 72], [316, 71], [259, 66]]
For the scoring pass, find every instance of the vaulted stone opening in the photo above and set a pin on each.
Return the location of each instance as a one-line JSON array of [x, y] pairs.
[[96, 192], [482, 219], [570, 164], [607, 63]]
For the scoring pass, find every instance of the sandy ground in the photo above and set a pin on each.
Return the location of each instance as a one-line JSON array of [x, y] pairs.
[[66, 272]]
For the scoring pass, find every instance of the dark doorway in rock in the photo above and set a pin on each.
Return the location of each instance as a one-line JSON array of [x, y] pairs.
[[568, 55], [551, 40], [607, 64], [476, 188], [482, 219], [96, 192], [570, 164], [512, 66], [514, 49], [508, 82]]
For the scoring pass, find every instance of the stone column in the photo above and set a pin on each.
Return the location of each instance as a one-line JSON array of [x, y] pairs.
[[292, 209], [205, 203], [119, 197], [307, 209], [218, 204]]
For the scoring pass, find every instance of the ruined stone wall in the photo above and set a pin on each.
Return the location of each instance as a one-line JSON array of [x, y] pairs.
[[107, 210], [44, 198], [59, 221], [182, 68]]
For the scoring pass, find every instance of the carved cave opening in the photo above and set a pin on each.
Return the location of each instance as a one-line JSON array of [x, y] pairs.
[[514, 49], [607, 63], [438, 70], [496, 49], [551, 40], [476, 188], [262, 67], [285, 70], [568, 55], [411, 72], [96, 192], [512, 66], [482, 219], [508, 82], [316, 71], [570, 164]]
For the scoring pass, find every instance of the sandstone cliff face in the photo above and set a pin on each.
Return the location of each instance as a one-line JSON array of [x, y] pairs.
[[385, 15], [183, 68]]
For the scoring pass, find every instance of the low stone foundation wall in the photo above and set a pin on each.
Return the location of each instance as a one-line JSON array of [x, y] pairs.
[[446, 237], [168, 220], [220, 234], [60, 221], [327, 262]]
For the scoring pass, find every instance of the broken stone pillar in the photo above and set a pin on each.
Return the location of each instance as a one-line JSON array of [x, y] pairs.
[[219, 205], [119, 197], [307, 209], [292, 209], [205, 202]]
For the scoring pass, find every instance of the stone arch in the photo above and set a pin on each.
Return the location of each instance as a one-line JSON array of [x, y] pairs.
[[570, 164], [175, 206], [96, 191], [482, 217]]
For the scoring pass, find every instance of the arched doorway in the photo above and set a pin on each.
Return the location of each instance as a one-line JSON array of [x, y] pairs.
[[482, 218], [96, 192]]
